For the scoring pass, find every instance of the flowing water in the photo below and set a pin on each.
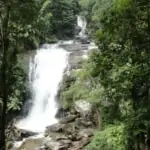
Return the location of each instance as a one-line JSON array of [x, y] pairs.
[[45, 74], [46, 71], [81, 22]]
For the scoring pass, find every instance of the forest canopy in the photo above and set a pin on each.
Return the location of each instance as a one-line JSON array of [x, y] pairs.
[[118, 73]]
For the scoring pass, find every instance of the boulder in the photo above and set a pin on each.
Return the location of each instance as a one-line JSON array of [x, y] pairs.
[[26, 133], [75, 137], [85, 122], [82, 39], [31, 144], [79, 145], [71, 128], [83, 107], [57, 136], [86, 133], [85, 40], [58, 127], [61, 137], [55, 145], [67, 119], [66, 141], [61, 111]]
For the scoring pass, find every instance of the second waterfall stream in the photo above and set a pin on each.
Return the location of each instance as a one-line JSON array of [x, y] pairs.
[[45, 73]]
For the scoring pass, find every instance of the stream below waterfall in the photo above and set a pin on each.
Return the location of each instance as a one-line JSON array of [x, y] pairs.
[[46, 71]]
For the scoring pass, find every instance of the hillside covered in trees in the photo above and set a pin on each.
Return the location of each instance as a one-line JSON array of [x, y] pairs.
[[117, 73]]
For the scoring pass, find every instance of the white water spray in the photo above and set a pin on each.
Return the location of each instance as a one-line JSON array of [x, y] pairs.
[[81, 22], [46, 72]]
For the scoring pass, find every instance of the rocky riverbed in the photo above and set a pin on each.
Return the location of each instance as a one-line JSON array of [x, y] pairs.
[[72, 132], [76, 125]]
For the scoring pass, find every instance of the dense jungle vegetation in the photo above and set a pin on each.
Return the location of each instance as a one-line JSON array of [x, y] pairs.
[[23, 26], [116, 77]]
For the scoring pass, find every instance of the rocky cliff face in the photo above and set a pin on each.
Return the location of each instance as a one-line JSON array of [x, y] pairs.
[[73, 132]]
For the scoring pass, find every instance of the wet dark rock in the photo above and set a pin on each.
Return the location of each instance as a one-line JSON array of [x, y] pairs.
[[61, 112], [26, 133], [56, 136], [79, 145], [86, 133], [56, 145], [66, 141], [82, 39], [70, 128], [75, 137], [68, 119], [61, 137], [85, 41], [84, 122], [58, 127]]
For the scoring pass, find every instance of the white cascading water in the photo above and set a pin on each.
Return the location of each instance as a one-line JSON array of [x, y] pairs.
[[46, 72], [81, 22]]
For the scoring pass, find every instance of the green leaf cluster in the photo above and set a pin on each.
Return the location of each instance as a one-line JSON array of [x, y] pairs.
[[112, 138]]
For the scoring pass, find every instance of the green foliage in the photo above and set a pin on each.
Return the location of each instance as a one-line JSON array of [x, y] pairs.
[[112, 138], [118, 71], [17, 87], [63, 17], [17, 82], [29, 24], [76, 89], [121, 5]]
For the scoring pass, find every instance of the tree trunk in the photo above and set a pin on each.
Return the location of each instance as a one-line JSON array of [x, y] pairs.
[[5, 46], [4, 97]]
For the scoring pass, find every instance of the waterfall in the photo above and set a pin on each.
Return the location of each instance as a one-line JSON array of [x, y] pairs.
[[81, 22], [45, 74]]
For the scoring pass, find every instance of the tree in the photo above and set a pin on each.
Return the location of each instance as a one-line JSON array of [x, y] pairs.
[[16, 28], [64, 18], [120, 67]]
